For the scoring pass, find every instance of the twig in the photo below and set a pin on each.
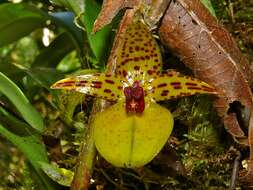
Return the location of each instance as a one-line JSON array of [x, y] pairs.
[[84, 166], [235, 171]]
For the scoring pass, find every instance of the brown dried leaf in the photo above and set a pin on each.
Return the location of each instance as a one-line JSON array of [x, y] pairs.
[[152, 11], [109, 10], [207, 48]]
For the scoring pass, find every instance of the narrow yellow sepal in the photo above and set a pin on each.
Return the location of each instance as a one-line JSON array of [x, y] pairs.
[[99, 85], [171, 85]]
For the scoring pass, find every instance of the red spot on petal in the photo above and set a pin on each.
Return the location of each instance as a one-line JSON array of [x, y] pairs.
[[109, 81], [137, 68], [190, 84], [208, 89], [150, 72], [137, 48], [64, 84], [175, 83], [97, 82], [161, 85], [136, 59], [107, 91], [124, 73], [79, 83], [194, 88], [165, 93]]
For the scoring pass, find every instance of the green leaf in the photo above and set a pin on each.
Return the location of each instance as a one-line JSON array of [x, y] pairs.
[[76, 6], [98, 41], [61, 46], [16, 96], [32, 147], [69, 63], [66, 21], [18, 20], [12, 122], [45, 77], [209, 6], [12, 71], [60, 175]]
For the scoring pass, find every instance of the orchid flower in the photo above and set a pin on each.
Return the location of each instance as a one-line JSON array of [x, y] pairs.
[[132, 132]]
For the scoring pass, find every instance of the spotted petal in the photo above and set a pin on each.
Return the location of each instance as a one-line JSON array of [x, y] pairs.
[[174, 85], [99, 85], [138, 55]]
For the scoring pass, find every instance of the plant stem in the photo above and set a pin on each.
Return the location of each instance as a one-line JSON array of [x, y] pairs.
[[84, 166]]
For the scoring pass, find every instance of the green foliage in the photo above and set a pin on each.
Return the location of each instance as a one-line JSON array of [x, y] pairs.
[[98, 41], [33, 68], [16, 96], [13, 18], [30, 145], [28, 68], [61, 46], [59, 175], [76, 6]]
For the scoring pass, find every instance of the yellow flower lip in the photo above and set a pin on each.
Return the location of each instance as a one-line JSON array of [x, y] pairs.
[[131, 140]]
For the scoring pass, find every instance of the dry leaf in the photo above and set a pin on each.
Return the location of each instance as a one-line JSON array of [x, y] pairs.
[[207, 48], [152, 11], [110, 9]]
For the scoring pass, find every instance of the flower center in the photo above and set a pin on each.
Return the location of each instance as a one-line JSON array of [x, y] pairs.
[[134, 98]]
